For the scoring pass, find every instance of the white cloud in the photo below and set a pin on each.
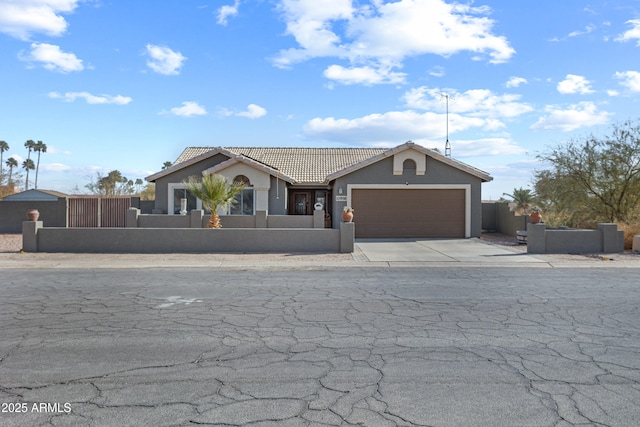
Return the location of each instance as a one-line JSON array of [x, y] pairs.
[[437, 71], [485, 147], [588, 29], [474, 109], [395, 127], [55, 167], [633, 33], [574, 84], [363, 75], [226, 11], [516, 81], [188, 109], [164, 60], [253, 111], [584, 114], [381, 35], [52, 58], [474, 102], [91, 99], [630, 80], [22, 18]]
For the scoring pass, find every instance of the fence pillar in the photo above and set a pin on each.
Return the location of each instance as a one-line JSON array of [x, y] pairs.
[[611, 240], [536, 238], [30, 235], [132, 217], [347, 236], [261, 219], [196, 218], [318, 219]]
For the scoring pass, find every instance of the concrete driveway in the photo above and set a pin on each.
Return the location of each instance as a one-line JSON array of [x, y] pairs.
[[440, 251]]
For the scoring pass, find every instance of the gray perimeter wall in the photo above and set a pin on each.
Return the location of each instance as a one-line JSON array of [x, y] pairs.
[[187, 240], [497, 217], [605, 239]]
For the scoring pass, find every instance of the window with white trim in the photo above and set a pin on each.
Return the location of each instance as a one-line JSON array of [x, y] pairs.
[[245, 200], [177, 191]]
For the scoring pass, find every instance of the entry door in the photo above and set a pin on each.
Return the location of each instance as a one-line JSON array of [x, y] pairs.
[[301, 203]]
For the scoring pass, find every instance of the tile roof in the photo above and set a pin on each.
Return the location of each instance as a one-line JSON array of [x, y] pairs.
[[305, 165]]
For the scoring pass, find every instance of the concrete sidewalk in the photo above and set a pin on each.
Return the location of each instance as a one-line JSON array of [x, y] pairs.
[[367, 253]]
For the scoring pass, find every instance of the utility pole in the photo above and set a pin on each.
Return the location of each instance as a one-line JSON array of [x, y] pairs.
[[447, 145]]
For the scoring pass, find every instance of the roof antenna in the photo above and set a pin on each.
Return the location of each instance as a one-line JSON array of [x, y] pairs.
[[447, 145]]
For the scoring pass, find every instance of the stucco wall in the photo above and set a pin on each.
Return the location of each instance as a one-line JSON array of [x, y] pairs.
[[278, 197], [13, 213], [496, 216], [162, 184], [606, 239], [186, 240]]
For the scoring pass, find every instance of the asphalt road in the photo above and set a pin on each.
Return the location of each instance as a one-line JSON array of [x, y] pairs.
[[336, 346]]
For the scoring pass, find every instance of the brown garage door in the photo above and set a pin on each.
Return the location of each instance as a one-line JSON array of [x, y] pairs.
[[409, 212]]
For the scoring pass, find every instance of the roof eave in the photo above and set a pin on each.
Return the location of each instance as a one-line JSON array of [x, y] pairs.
[[252, 163], [191, 161], [485, 177]]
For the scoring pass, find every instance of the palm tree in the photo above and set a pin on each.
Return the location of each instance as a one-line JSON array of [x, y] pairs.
[[11, 163], [215, 192], [28, 165], [40, 147], [3, 147], [29, 146], [523, 198], [166, 165]]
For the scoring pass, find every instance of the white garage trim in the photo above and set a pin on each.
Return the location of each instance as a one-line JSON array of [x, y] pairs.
[[465, 187]]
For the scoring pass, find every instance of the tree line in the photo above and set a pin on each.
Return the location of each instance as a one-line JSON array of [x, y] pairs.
[[28, 164], [588, 180]]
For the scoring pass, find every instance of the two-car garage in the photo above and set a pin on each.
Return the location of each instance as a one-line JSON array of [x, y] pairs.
[[427, 211]]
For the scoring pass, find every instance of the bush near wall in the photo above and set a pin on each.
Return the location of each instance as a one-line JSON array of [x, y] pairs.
[[630, 230]]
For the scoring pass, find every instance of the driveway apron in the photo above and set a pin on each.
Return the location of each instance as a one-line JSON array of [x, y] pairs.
[[440, 251]]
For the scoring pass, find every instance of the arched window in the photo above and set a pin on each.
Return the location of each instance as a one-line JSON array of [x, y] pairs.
[[244, 201], [409, 167], [241, 179]]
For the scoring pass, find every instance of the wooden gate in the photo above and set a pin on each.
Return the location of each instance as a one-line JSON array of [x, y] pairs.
[[98, 211]]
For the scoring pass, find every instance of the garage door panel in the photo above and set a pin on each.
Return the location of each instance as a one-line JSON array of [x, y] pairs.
[[437, 213]]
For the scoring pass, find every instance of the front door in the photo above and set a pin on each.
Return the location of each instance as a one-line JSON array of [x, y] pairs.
[[301, 203]]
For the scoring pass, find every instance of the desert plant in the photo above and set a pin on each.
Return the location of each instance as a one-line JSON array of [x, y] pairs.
[[215, 192]]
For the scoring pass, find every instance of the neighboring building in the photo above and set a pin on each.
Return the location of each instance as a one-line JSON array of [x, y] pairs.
[[406, 191], [52, 206]]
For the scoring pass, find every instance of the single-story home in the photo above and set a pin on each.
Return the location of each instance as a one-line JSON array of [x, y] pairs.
[[406, 191]]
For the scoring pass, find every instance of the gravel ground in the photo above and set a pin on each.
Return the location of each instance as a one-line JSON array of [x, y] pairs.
[[10, 242]]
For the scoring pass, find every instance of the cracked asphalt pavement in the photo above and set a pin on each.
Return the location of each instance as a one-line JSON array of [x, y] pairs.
[[320, 347]]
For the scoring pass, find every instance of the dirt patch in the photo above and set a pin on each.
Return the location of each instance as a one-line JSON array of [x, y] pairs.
[[10, 243]]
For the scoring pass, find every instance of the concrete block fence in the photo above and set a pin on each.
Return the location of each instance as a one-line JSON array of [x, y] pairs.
[[605, 239], [198, 219], [36, 238]]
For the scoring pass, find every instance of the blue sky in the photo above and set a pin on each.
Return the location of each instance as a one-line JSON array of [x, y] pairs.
[[128, 85]]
